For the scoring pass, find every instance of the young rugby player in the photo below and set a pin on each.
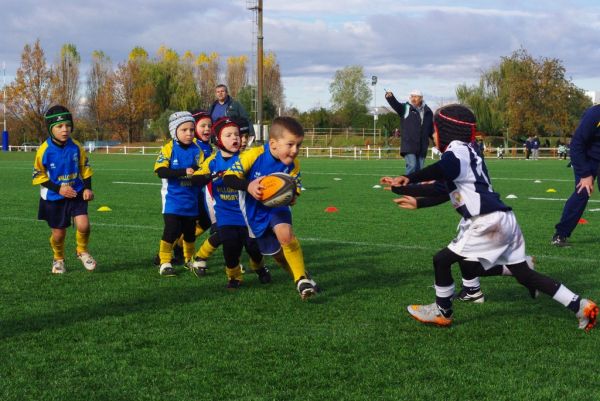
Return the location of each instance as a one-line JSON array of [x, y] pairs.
[[62, 170], [272, 227], [489, 233], [231, 226], [177, 161]]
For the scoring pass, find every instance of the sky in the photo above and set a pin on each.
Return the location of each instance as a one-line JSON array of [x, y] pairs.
[[428, 45]]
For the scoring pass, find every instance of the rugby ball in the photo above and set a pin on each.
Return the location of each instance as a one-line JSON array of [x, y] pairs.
[[279, 190]]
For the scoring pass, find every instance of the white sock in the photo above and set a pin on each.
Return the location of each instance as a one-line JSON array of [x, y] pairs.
[[564, 295]]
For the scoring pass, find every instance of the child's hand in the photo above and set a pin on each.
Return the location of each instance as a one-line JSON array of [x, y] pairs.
[[255, 189], [395, 181], [406, 202], [189, 171], [67, 191], [88, 195]]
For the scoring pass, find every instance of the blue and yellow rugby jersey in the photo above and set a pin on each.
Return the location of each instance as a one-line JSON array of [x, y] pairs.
[[178, 195], [254, 163], [227, 201], [207, 149], [63, 165]]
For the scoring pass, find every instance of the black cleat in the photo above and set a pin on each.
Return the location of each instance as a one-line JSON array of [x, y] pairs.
[[233, 284], [466, 296], [264, 275], [559, 241]]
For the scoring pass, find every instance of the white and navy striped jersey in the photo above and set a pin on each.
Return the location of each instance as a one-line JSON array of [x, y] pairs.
[[468, 181]]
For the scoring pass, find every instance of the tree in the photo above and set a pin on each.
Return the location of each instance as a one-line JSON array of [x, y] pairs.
[[525, 96], [28, 97], [350, 93], [99, 91], [237, 74], [207, 74], [65, 86], [133, 99], [186, 95], [273, 87], [164, 76]]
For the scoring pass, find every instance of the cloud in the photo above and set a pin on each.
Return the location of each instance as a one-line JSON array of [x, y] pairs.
[[431, 44]]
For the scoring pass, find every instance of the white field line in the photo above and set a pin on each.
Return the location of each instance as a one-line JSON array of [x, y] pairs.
[[568, 260], [560, 199], [137, 183]]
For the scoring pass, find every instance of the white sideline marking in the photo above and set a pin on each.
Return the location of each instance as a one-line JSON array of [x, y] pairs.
[[136, 183], [560, 199], [321, 240]]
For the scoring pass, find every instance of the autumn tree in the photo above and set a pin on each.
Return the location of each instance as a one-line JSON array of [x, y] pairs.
[[207, 75], [273, 87], [237, 74], [28, 96], [65, 74], [100, 92], [134, 92]]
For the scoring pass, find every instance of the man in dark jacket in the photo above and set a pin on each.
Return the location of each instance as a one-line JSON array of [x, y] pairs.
[[585, 158], [225, 106], [417, 129]]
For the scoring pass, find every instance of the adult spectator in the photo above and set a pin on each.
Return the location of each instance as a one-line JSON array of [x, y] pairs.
[[417, 129], [226, 106], [585, 159], [528, 146], [535, 147]]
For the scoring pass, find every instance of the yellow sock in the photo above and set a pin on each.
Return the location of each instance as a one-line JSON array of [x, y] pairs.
[[295, 258], [256, 265], [206, 250], [199, 231], [235, 273], [179, 241], [58, 248], [82, 240], [188, 250], [164, 252]]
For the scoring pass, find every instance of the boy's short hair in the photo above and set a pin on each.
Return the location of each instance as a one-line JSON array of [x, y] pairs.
[[281, 124]]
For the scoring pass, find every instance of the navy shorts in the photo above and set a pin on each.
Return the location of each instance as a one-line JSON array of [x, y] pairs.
[[60, 213], [267, 242]]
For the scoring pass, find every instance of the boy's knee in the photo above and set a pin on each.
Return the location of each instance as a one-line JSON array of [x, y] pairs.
[[285, 234]]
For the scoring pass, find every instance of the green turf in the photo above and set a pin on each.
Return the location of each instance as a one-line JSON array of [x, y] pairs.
[[125, 333]]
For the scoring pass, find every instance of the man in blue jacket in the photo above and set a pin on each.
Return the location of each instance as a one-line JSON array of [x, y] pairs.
[[585, 159], [225, 106], [417, 128]]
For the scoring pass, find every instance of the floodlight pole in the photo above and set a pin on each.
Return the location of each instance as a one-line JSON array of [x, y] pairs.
[[4, 131], [259, 71]]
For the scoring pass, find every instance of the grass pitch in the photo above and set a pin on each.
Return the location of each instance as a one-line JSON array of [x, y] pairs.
[[125, 333]]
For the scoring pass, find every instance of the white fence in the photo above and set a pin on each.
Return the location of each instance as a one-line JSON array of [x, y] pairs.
[[348, 152]]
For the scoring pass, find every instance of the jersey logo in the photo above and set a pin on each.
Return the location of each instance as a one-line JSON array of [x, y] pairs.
[[52, 165]]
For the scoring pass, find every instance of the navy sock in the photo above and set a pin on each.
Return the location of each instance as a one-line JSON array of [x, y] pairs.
[[574, 305], [445, 305]]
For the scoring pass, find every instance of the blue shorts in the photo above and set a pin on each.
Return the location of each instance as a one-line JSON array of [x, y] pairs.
[[60, 213], [268, 243]]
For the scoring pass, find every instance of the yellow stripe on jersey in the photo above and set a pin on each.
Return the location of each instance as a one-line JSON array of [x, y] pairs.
[[85, 171], [39, 171], [205, 168], [245, 162], [164, 157]]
